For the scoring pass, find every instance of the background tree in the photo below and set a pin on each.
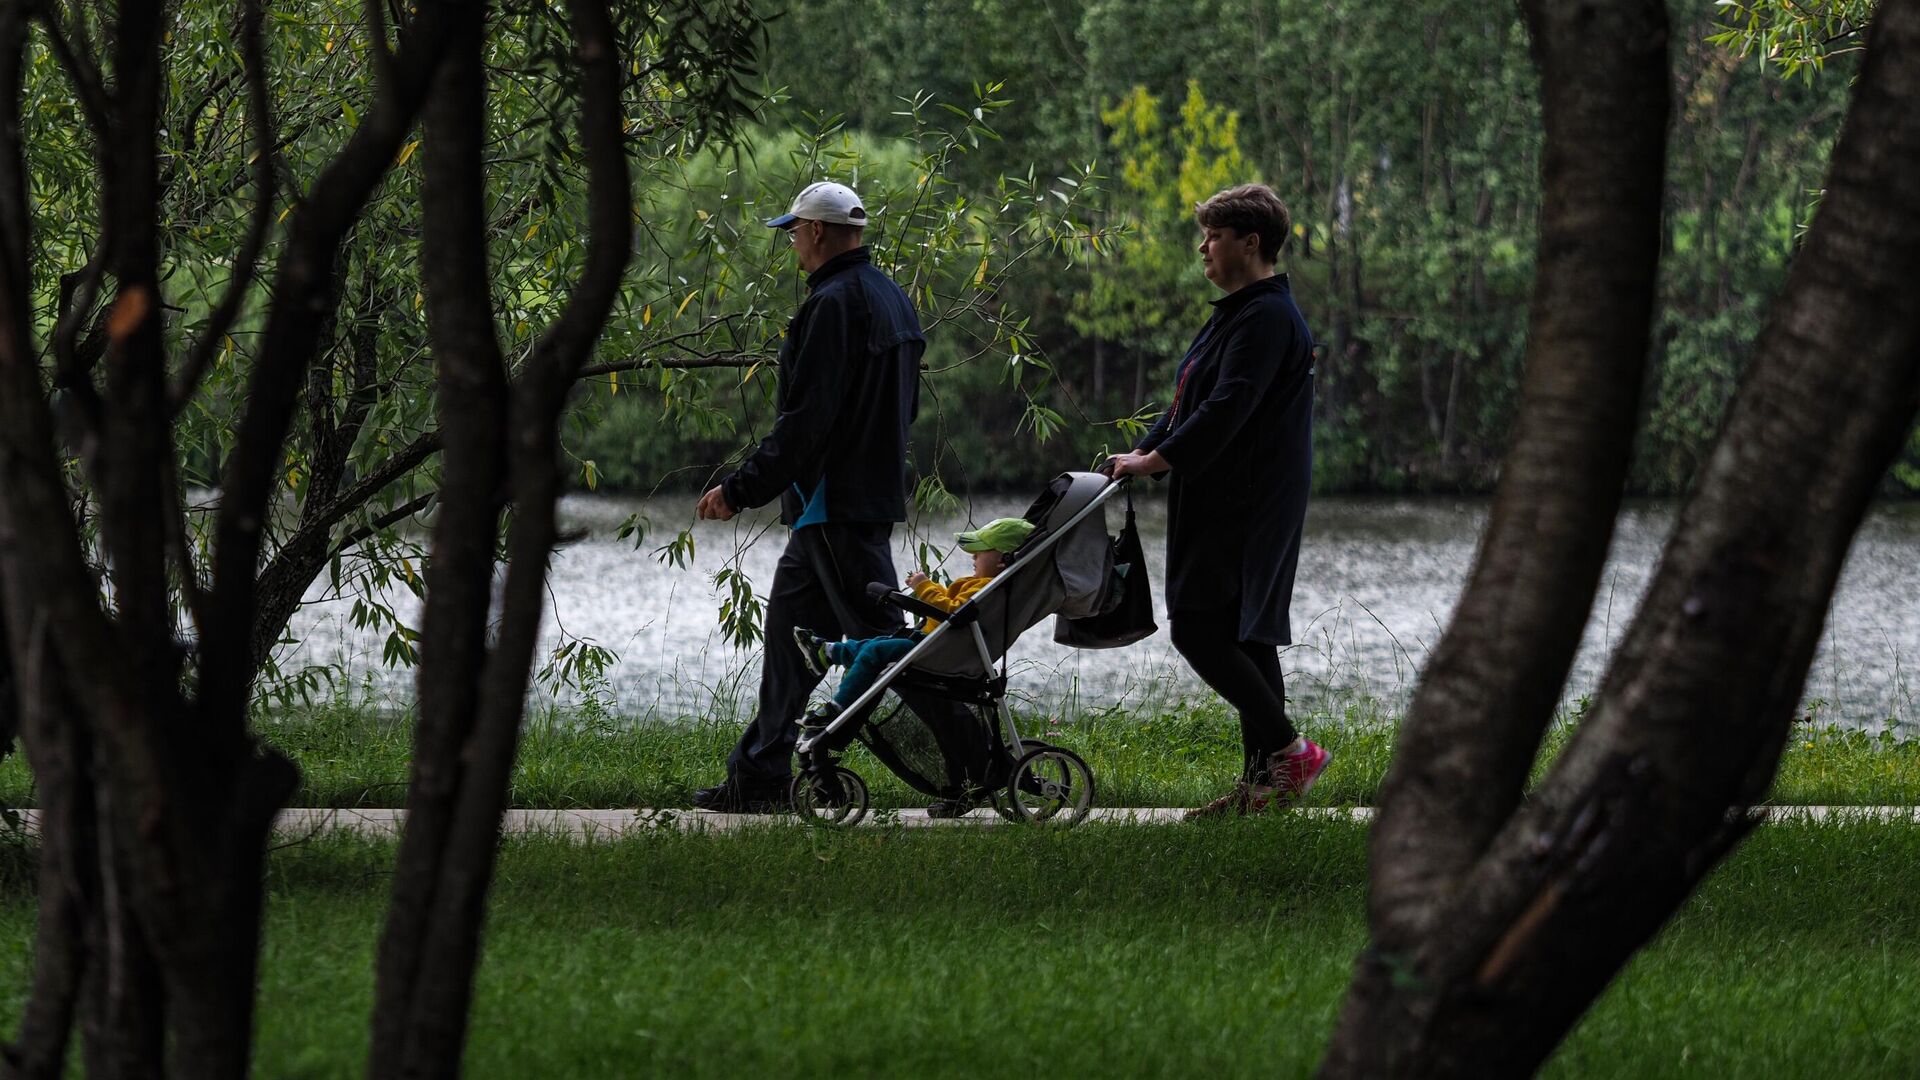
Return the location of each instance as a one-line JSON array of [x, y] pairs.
[[1149, 295], [1406, 141]]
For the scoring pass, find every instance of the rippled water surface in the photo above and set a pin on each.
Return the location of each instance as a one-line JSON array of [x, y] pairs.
[[1377, 580]]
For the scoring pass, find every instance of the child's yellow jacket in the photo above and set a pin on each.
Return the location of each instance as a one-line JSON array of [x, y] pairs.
[[948, 597]]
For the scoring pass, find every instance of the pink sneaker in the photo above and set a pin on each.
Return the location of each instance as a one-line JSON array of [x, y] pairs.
[[1294, 773], [1291, 776]]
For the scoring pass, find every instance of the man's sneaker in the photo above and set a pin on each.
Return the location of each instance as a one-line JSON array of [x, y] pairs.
[[813, 650], [1293, 773], [736, 796]]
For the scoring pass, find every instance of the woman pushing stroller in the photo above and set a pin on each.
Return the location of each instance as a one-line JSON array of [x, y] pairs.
[[1237, 441]]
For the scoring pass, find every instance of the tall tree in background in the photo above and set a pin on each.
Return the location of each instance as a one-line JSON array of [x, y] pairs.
[[1495, 923], [1149, 289]]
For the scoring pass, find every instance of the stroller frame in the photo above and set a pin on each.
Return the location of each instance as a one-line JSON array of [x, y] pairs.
[[816, 768]]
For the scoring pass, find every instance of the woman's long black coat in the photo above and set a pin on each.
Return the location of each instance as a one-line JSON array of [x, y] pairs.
[[1239, 436]]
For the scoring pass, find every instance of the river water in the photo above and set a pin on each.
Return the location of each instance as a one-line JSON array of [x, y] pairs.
[[1378, 578]]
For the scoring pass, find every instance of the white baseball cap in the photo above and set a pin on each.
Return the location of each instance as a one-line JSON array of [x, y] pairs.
[[823, 201]]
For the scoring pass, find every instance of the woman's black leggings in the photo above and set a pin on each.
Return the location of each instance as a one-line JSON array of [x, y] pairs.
[[1246, 673]]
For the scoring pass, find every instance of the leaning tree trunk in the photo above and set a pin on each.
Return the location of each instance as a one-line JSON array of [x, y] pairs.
[[1486, 974], [472, 696], [1491, 685]]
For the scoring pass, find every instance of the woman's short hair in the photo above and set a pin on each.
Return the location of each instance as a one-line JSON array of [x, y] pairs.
[[1249, 208]]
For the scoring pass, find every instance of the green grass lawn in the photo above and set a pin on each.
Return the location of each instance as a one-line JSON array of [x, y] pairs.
[[1212, 950], [356, 757]]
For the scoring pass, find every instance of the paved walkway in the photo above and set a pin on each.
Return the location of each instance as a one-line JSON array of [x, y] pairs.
[[612, 824]]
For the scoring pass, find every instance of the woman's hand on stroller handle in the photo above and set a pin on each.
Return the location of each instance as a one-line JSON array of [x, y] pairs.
[[1120, 466]]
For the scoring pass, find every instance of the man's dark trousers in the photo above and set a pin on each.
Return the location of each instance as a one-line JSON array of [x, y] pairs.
[[854, 552]]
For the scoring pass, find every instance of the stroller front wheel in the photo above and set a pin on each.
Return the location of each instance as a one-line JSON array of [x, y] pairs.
[[1046, 783], [832, 796]]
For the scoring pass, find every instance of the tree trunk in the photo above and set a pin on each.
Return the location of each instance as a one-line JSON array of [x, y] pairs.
[[67, 886], [472, 697], [9, 696], [1483, 958], [472, 404], [1492, 683]]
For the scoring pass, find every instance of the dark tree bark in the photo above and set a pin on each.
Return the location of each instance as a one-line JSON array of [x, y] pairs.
[[66, 879], [159, 800], [9, 698], [304, 297], [1486, 953], [501, 442], [472, 407], [1491, 685]]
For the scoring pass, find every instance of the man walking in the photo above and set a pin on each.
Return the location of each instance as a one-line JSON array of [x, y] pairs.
[[836, 459]]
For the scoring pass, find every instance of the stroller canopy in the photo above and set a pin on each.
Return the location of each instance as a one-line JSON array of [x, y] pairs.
[[1061, 569]]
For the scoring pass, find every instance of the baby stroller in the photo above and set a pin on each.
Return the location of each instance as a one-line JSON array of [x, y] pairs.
[[938, 717]]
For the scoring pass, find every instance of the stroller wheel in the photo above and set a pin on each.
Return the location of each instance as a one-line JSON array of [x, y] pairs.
[[1050, 784], [833, 796], [998, 799]]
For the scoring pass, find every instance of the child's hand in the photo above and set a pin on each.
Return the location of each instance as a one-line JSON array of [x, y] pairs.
[[916, 579]]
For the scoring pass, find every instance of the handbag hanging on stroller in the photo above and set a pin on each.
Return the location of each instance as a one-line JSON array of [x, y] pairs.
[[1126, 615], [938, 716]]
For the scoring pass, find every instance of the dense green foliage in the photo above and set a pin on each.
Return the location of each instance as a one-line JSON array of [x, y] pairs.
[[1031, 165], [1127, 951], [1405, 138]]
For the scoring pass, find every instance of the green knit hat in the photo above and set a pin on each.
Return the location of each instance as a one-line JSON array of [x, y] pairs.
[[1001, 534]]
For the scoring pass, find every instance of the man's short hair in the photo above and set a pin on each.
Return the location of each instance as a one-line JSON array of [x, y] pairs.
[[836, 229], [1249, 208]]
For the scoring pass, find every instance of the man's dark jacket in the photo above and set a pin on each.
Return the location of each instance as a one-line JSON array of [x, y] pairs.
[[849, 387], [1239, 436]]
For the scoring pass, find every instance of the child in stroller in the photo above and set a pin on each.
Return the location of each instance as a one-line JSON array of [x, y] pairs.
[[933, 709], [865, 658]]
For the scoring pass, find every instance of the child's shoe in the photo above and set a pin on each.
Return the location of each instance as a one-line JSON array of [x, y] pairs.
[[813, 650], [819, 715]]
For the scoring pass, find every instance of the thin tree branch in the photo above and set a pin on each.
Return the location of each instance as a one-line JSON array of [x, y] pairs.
[[189, 136], [684, 363], [180, 551], [260, 118], [402, 462], [393, 517], [81, 69], [561, 351], [376, 21]]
